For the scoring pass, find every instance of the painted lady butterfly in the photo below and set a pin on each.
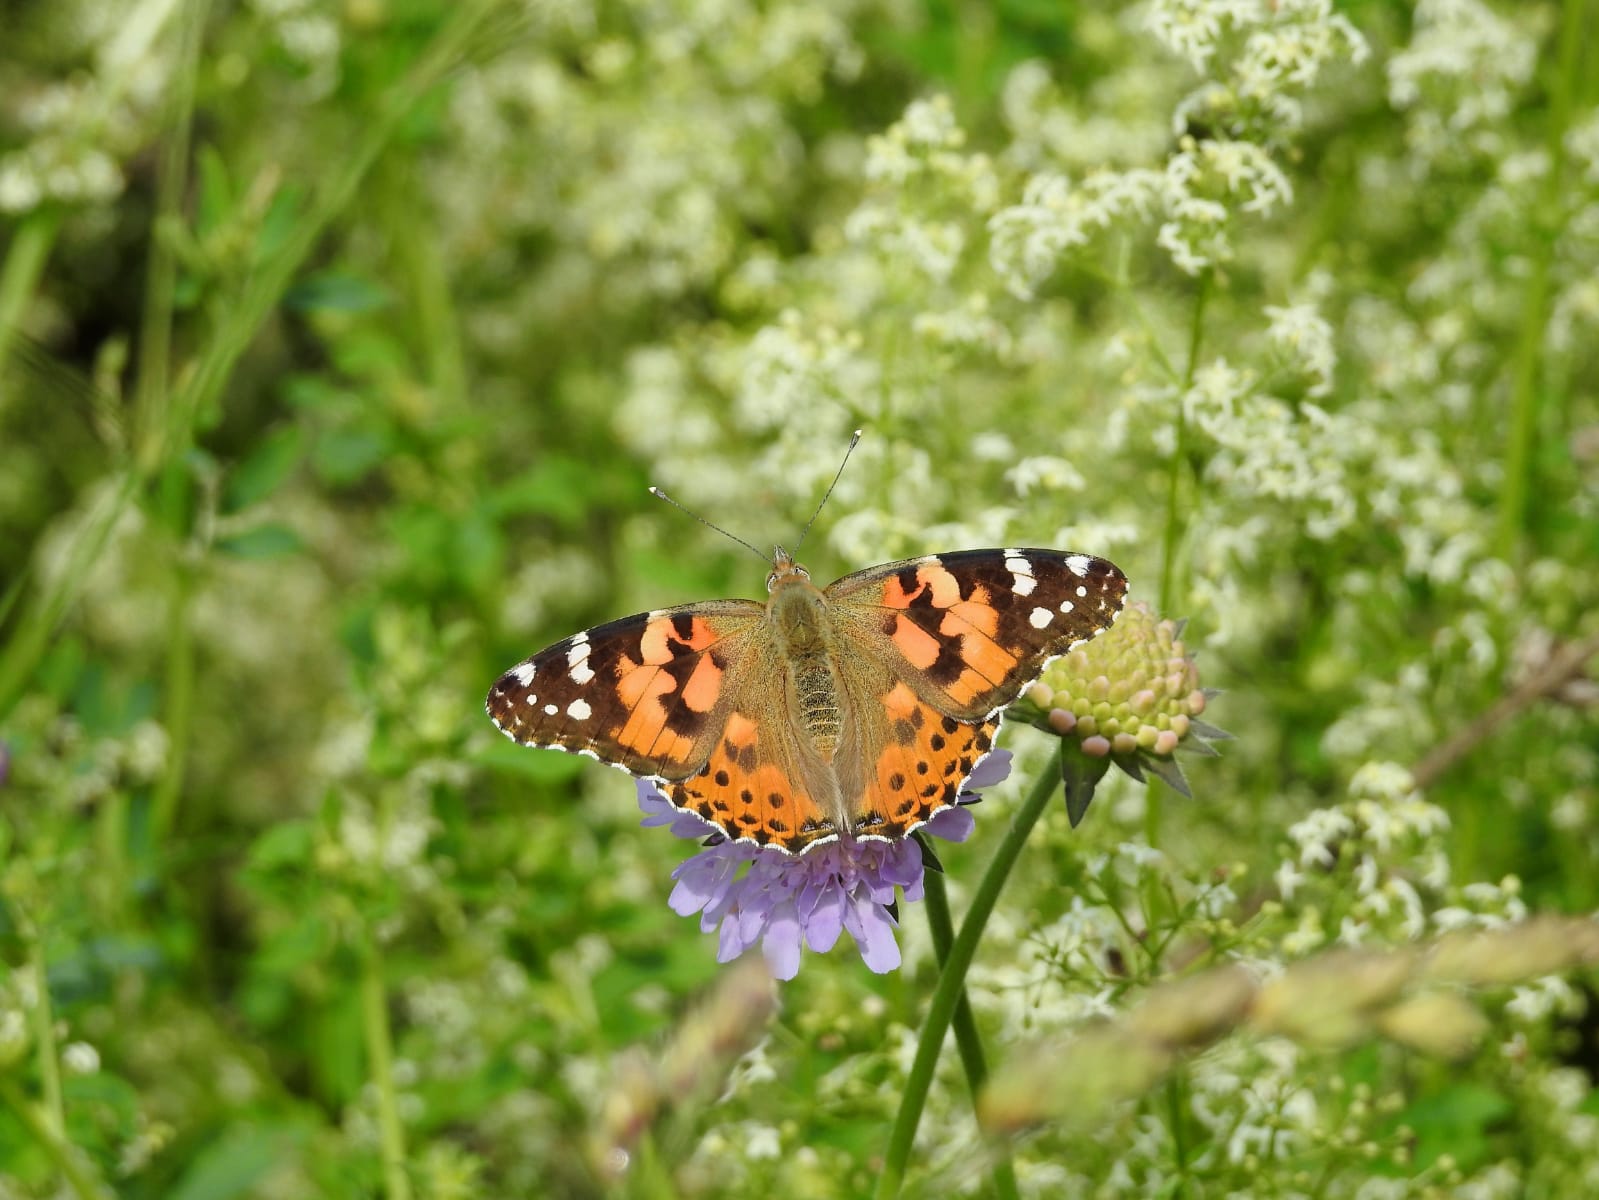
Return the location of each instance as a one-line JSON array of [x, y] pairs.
[[856, 710]]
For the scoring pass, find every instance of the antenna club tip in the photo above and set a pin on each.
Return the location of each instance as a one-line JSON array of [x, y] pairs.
[[856, 436]]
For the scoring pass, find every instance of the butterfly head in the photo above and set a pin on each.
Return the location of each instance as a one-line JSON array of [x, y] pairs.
[[784, 570]]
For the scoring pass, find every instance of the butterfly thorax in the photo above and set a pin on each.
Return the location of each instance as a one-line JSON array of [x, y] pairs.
[[798, 613]]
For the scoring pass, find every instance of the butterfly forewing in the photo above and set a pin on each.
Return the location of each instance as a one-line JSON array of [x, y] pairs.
[[971, 629], [645, 692]]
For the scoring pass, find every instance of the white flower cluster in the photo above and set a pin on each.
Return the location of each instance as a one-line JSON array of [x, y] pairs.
[[1258, 55], [1464, 67], [923, 191]]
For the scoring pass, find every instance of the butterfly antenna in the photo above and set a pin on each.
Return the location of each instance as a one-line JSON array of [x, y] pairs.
[[660, 495], [854, 440]]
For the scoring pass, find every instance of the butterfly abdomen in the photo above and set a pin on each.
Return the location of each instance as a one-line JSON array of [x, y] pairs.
[[799, 614]]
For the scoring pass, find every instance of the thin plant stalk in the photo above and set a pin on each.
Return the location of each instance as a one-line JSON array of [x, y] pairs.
[[1173, 536], [160, 281], [178, 714], [19, 277], [44, 1035], [952, 980], [380, 1060], [1525, 397], [935, 899], [75, 1168]]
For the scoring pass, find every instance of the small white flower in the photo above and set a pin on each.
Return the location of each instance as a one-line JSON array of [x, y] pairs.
[[80, 1058]]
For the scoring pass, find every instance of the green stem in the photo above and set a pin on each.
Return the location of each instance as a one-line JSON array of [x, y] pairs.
[[380, 1057], [25, 259], [179, 706], [1179, 455], [74, 1168], [38, 623], [952, 979], [967, 1040], [1547, 221], [44, 1036], [155, 332]]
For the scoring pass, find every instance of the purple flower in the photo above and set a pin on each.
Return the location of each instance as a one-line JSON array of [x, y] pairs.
[[786, 901]]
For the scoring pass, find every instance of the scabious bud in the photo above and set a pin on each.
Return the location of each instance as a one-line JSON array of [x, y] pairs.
[[1129, 698]]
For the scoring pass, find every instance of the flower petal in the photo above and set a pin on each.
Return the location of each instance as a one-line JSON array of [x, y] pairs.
[[993, 768], [952, 824], [781, 945], [873, 930]]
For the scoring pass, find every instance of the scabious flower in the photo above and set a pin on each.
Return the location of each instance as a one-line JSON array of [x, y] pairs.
[[786, 901], [1129, 698]]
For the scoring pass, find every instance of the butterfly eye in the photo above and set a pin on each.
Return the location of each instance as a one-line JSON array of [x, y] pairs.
[[771, 581]]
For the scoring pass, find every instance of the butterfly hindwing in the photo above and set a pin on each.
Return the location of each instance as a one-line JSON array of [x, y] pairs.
[[969, 630], [757, 784], [646, 693], [917, 765]]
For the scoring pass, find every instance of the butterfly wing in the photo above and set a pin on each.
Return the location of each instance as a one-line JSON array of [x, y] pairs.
[[945, 642], [763, 783], [968, 631], [648, 693]]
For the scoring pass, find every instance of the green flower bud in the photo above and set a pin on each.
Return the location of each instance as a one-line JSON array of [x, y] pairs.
[[1129, 698]]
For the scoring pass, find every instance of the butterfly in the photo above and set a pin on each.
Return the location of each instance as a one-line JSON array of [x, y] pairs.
[[853, 711]]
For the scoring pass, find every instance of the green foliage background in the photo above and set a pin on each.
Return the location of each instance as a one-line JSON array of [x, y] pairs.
[[340, 341]]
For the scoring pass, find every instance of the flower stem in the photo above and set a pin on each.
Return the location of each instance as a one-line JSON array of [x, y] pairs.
[[25, 259], [44, 1035], [1179, 454], [74, 1167], [951, 981], [380, 1055], [1526, 395], [179, 701], [967, 1041]]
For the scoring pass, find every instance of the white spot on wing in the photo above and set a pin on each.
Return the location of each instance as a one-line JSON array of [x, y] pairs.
[[578, 710], [581, 672], [1016, 564], [1066, 606], [1082, 591], [1077, 564], [550, 710], [1040, 617], [523, 673], [578, 652], [1023, 585]]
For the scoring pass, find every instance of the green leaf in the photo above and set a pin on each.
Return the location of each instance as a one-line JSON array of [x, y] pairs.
[[264, 469], [215, 199], [539, 765], [1080, 773], [556, 487], [264, 541], [235, 1162], [333, 291], [1455, 1122], [346, 455]]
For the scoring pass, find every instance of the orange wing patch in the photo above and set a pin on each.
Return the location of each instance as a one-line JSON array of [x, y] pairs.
[[967, 630], [672, 666], [743, 790], [920, 768]]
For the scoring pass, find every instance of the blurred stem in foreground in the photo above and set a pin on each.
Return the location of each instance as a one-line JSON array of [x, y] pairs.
[[967, 1039], [155, 332], [380, 1060], [952, 979], [1173, 536], [1547, 221], [25, 259]]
